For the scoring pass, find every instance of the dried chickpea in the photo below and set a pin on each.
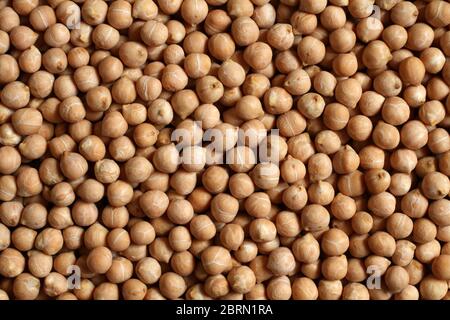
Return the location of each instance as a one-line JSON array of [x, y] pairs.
[[154, 144]]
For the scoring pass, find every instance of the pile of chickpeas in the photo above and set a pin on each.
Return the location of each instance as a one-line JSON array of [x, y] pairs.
[[98, 202]]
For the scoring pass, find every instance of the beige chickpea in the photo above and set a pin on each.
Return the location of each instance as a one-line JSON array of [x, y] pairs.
[[240, 8], [57, 35], [399, 225], [315, 217], [437, 212], [310, 50], [39, 264], [134, 289], [256, 84], [224, 207], [106, 291], [133, 54], [216, 286], [159, 249], [110, 68], [28, 182], [26, 287], [325, 83], [432, 288], [400, 184], [409, 293], [216, 21], [26, 121], [106, 171], [99, 260], [119, 193], [148, 270], [11, 15], [292, 170], [12, 263], [232, 236], [148, 88], [16, 95], [60, 217], [414, 204], [306, 249], [431, 112], [311, 105], [334, 268], [304, 289], [64, 87], [55, 284], [262, 230], [12, 70], [172, 285], [404, 253], [22, 37], [84, 214], [180, 239], [49, 240], [265, 175], [334, 242], [34, 216], [12, 160], [73, 165], [123, 91], [382, 244], [11, 213], [241, 279], [435, 185], [319, 167], [281, 261], [23, 238], [120, 271], [388, 83], [426, 165], [173, 78], [194, 11], [395, 36], [423, 231], [180, 211], [321, 193], [119, 14], [279, 288], [348, 92], [9, 188], [287, 224], [166, 159], [258, 55], [215, 260], [438, 141], [202, 227]]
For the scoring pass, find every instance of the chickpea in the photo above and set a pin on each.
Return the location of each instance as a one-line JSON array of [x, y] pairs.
[[22, 37], [425, 31], [172, 285], [106, 291], [241, 279], [311, 51], [435, 185], [26, 287], [215, 260], [12, 263], [432, 288], [12, 160], [23, 238]]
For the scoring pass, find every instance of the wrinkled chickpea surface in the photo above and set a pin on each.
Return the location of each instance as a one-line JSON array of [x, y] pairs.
[[350, 202]]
